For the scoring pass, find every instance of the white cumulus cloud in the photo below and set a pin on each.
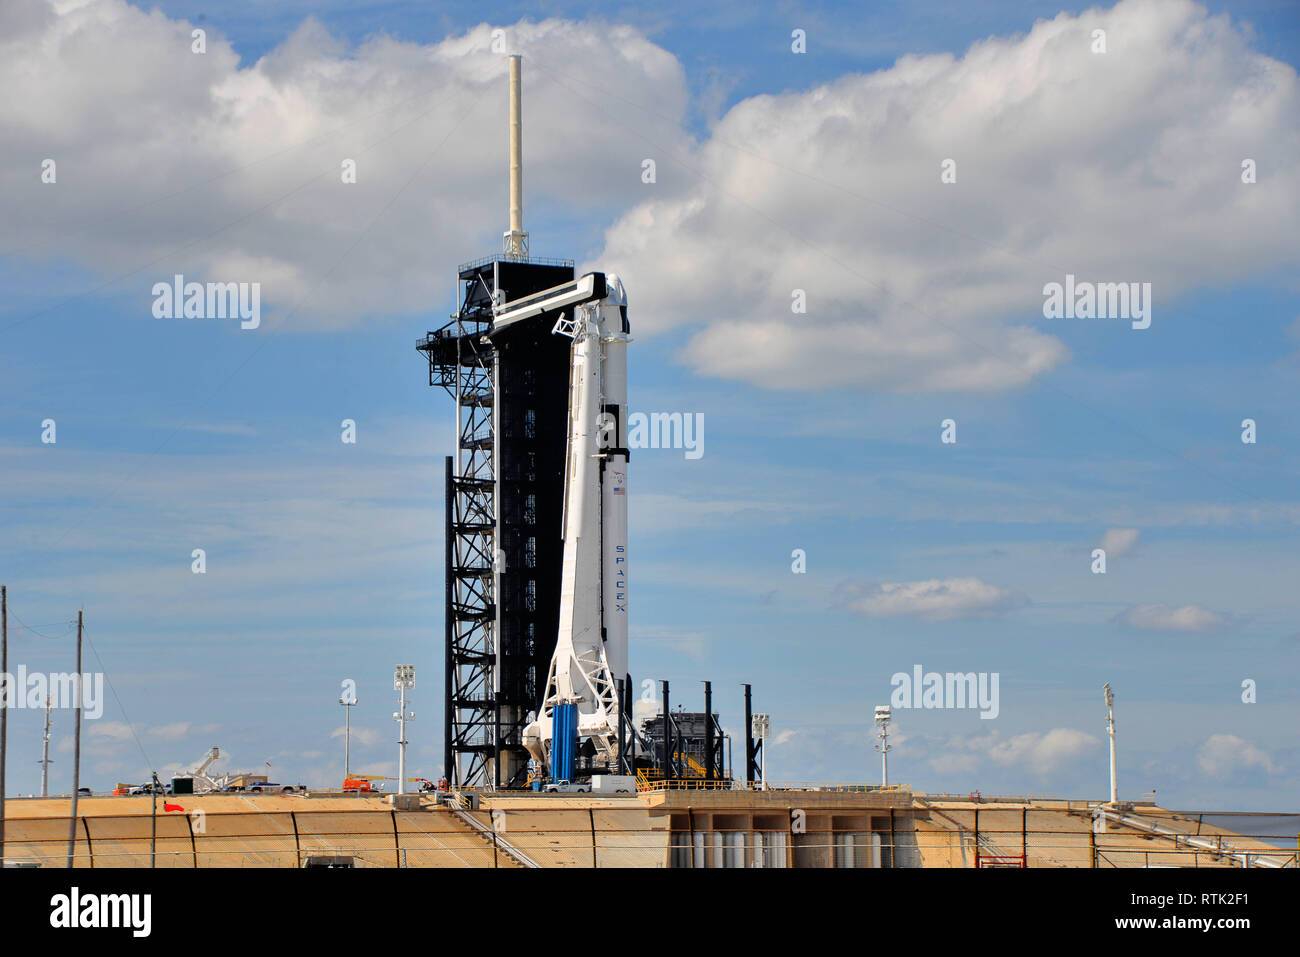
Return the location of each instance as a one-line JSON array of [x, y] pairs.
[[1223, 755], [1119, 541], [1115, 167], [931, 600], [169, 161], [1188, 618], [366, 737], [1043, 751], [1122, 166], [170, 732], [111, 730], [1039, 751]]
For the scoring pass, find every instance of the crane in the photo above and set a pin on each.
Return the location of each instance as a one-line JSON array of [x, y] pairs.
[[200, 773]]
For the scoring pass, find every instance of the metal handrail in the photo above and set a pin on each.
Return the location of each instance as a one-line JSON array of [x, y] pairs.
[[496, 839], [374, 850], [513, 258], [977, 797], [654, 782]]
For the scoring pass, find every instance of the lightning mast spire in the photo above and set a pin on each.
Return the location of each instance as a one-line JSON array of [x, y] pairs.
[[515, 243]]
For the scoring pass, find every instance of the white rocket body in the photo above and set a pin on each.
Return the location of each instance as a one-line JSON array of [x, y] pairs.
[[591, 647]]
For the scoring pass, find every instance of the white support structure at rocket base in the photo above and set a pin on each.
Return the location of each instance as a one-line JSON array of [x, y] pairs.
[[591, 650]]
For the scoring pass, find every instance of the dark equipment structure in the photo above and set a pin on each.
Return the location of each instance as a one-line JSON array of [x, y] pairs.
[[753, 748], [686, 747]]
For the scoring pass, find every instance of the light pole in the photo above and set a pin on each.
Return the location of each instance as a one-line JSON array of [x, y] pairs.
[[762, 723], [403, 678], [153, 824], [1110, 731], [348, 699], [883, 714], [46, 761]]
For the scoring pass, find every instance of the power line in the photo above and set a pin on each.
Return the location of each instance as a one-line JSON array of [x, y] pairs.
[[26, 627], [109, 681]]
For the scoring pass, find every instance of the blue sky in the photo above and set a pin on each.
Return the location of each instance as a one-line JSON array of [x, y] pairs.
[[776, 171]]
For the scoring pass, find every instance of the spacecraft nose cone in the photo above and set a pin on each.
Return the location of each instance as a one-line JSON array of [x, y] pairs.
[[614, 290]]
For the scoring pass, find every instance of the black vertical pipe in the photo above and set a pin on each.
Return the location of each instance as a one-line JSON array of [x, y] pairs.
[[893, 841], [668, 736], [631, 725], [622, 726], [76, 751], [449, 709], [397, 841], [708, 731], [749, 737]]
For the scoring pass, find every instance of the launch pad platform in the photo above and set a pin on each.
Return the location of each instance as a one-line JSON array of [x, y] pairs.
[[808, 826]]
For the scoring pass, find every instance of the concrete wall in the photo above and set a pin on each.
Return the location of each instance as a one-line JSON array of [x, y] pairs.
[[657, 829], [238, 831]]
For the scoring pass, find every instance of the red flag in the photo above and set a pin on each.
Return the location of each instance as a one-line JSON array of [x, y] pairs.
[[172, 807]]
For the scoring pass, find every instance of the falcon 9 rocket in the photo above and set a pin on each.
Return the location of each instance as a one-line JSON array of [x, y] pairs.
[[591, 648]]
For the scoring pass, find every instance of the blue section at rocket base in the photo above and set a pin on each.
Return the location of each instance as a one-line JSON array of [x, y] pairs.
[[564, 742]]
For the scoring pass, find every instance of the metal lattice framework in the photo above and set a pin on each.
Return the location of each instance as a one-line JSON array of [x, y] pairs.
[[461, 362]]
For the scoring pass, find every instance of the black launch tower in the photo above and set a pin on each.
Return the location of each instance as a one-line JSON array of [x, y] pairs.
[[504, 504]]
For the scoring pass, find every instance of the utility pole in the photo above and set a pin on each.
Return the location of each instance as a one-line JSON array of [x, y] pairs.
[[4, 708], [153, 823], [1110, 731], [45, 761], [76, 750]]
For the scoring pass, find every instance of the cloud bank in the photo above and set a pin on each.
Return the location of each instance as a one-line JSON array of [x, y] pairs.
[[1119, 166]]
